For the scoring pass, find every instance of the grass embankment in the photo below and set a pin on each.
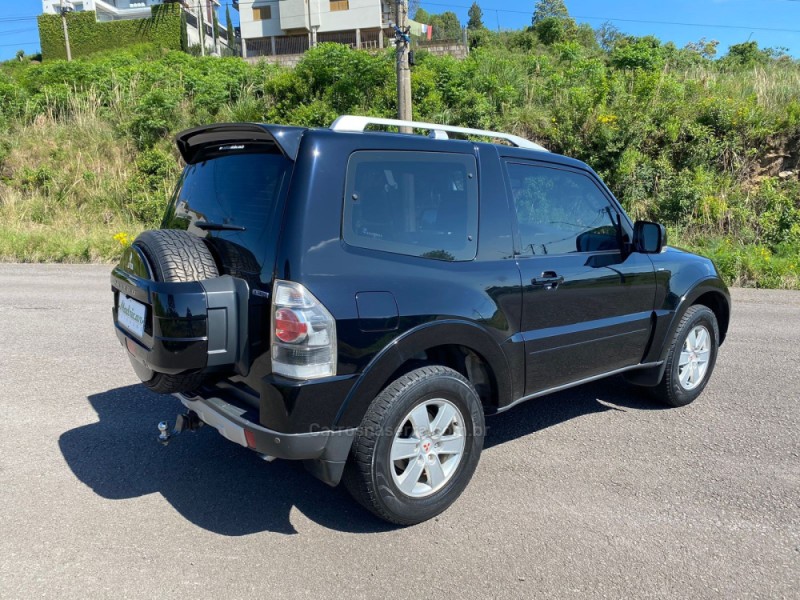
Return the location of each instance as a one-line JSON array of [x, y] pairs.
[[69, 196], [703, 146]]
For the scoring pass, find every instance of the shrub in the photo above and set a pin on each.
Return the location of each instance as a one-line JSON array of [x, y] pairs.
[[154, 116]]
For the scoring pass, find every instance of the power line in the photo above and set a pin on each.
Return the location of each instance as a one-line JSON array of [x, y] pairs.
[[19, 44], [18, 30]]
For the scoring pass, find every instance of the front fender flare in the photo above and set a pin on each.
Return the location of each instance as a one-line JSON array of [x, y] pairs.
[[673, 309]]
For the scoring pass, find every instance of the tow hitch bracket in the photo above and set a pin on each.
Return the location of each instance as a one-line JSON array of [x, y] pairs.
[[188, 420]]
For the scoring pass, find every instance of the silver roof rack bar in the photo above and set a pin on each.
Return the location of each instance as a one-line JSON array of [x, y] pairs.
[[357, 123]]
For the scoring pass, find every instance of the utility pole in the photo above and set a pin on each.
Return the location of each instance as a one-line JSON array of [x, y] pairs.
[[403, 71], [66, 30]]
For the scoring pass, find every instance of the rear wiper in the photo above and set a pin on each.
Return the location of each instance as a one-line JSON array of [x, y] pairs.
[[207, 226]]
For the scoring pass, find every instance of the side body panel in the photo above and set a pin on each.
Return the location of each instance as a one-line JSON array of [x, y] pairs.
[[471, 303]]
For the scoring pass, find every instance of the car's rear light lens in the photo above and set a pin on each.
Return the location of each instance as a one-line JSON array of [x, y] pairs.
[[288, 326], [303, 333]]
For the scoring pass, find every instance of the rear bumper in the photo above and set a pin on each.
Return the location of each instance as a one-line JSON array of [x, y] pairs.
[[326, 450]]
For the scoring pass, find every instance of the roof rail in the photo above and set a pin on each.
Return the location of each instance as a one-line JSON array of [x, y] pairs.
[[439, 132]]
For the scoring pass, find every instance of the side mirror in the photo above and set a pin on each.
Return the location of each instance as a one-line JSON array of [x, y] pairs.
[[648, 237]]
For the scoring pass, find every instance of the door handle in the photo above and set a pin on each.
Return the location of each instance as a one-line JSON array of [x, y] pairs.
[[549, 280]]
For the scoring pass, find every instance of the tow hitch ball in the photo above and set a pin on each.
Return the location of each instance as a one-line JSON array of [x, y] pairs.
[[188, 420]]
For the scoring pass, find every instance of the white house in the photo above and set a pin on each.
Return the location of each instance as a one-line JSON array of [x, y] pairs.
[[106, 10], [272, 27], [112, 10]]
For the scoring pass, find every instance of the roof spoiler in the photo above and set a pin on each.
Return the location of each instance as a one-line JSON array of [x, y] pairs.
[[192, 142]]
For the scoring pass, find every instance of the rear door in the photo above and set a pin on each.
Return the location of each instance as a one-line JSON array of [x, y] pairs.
[[233, 196], [586, 306]]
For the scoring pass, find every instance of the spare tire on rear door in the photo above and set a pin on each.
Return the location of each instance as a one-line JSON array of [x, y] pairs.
[[175, 256]]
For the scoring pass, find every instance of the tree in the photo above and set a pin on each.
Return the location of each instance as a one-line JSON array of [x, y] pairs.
[[746, 54], [184, 32], [705, 48], [420, 15], [546, 9], [446, 26], [20, 55], [551, 30], [229, 26], [215, 24], [644, 53], [475, 17], [551, 22], [608, 35]]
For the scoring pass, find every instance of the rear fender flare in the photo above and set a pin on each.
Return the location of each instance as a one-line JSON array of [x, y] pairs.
[[411, 343]]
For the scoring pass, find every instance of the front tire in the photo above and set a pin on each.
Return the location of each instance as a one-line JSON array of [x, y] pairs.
[[691, 359], [417, 447]]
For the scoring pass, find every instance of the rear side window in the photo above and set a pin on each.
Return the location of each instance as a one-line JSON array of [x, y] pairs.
[[416, 203], [560, 211]]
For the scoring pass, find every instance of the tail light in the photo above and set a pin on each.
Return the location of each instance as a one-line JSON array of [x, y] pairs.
[[303, 333]]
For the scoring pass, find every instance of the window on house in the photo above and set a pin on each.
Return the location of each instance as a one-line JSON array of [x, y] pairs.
[[340, 5], [262, 13]]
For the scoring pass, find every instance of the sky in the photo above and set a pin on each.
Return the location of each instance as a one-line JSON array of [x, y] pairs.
[[772, 23]]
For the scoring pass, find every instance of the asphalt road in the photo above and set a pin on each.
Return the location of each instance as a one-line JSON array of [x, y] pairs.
[[593, 492]]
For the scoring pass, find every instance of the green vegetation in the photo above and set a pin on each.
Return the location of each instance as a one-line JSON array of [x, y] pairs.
[[709, 147], [475, 15], [87, 36], [446, 26]]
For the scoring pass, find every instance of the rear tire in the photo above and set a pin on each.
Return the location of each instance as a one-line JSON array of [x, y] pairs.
[[175, 256], [417, 447]]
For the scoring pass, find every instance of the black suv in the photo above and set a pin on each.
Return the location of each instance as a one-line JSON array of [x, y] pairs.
[[360, 300]]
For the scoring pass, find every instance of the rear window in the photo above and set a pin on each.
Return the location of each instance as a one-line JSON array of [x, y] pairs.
[[236, 188], [415, 203]]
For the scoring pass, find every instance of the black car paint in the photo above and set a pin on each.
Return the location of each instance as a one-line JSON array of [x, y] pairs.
[[487, 305]]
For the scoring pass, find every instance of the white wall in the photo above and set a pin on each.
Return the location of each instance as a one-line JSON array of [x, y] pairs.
[[297, 14], [53, 7], [363, 14], [256, 29], [292, 15], [135, 9]]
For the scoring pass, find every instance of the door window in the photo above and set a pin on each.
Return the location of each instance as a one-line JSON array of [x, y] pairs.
[[560, 212]]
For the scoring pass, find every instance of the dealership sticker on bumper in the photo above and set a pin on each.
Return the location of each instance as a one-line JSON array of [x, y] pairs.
[[131, 315]]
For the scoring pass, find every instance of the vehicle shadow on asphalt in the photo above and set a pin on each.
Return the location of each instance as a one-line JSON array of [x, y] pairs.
[[229, 490], [534, 415]]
